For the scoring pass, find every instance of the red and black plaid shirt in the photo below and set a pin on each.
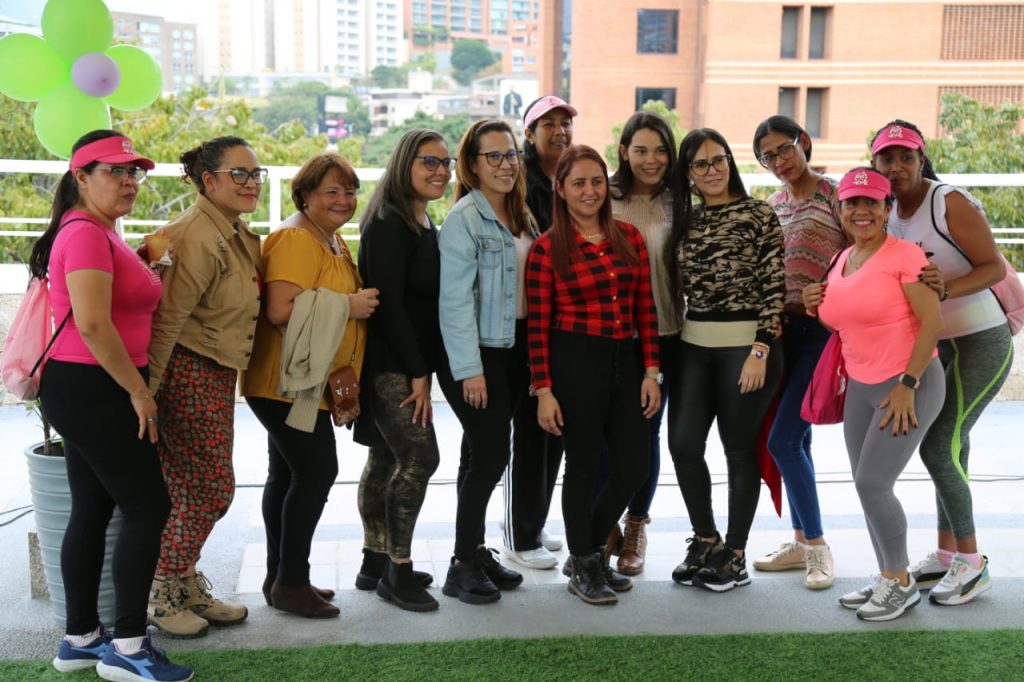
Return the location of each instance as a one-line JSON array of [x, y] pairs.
[[601, 295]]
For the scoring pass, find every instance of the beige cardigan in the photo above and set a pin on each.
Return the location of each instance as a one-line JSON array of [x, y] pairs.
[[314, 331]]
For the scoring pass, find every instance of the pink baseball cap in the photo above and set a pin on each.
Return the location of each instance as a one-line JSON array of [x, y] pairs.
[[543, 106], [864, 182], [895, 135], [116, 149]]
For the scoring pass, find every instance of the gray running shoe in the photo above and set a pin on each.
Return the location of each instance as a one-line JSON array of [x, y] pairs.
[[858, 598], [889, 600]]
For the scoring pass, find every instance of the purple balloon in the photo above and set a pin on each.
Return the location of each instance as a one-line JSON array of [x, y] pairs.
[[95, 74]]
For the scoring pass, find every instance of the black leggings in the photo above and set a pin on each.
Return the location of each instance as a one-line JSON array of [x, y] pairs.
[[487, 434], [705, 389], [108, 465], [597, 384], [303, 467]]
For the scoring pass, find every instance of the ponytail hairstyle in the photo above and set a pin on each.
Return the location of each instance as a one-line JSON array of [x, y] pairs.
[[622, 180], [564, 249], [468, 180], [683, 212], [65, 198], [926, 171], [394, 190], [783, 125], [207, 158]]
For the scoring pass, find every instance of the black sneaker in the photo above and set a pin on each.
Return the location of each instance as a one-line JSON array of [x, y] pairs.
[[504, 578], [399, 586], [723, 571], [467, 581], [696, 556]]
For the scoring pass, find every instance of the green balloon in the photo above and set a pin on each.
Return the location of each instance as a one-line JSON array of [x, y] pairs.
[[65, 114], [31, 68], [75, 27], [142, 80]]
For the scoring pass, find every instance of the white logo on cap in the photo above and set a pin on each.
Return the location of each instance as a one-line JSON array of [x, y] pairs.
[[126, 146], [861, 179], [896, 131]]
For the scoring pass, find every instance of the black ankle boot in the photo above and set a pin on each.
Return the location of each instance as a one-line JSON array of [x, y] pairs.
[[588, 581], [619, 582], [374, 565], [402, 588], [467, 581], [504, 578]]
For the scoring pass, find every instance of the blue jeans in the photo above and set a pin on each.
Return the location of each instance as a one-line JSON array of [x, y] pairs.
[[790, 439]]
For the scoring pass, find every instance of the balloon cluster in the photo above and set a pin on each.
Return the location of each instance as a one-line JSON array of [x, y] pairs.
[[74, 73]]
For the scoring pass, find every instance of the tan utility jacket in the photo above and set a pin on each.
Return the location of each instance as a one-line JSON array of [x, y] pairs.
[[211, 297]]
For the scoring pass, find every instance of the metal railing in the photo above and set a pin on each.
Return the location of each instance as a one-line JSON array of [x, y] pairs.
[[280, 174]]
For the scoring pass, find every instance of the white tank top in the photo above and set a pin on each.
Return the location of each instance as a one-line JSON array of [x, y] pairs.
[[965, 314]]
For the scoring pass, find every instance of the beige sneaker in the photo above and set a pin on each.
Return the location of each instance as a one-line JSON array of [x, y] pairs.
[[790, 556], [200, 602], [167, 611], [820, 569]]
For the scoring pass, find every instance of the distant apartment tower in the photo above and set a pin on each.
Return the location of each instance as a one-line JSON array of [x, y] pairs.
[[527, 33], [174, 45], [840, 68], [366, 34]]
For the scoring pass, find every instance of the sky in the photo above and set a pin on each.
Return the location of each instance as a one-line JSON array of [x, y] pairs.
[[178, 10]]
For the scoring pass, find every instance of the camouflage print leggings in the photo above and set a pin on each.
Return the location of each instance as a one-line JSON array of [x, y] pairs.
[[395, 478]]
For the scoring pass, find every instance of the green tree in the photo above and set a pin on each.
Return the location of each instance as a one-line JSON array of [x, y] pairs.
[[611, 150], [470, 57], [389, 76], [378, 149]]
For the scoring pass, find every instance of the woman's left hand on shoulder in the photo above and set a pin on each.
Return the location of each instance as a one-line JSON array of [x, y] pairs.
[[932, 276], [899, 409]]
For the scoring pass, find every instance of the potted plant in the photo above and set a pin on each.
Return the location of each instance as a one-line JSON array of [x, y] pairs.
[[51, 500]]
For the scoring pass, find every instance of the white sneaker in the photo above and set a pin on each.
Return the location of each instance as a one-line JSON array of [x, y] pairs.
[[929, 571], [889, 600], [821, 572], [962, 583], [539, 558], [550, 543], [858, 598], [791, 555]]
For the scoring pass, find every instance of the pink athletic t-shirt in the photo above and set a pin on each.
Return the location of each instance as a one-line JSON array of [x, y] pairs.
[[871, 312], [87, 244]]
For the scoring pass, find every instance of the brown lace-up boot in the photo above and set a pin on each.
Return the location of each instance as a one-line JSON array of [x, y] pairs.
[[634, 544]]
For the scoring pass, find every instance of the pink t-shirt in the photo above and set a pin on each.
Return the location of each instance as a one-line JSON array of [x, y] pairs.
[[871, 312], [89, 245]]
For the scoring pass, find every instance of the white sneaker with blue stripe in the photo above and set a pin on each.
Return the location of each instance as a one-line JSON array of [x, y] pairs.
[[71, 658], [148, 663]]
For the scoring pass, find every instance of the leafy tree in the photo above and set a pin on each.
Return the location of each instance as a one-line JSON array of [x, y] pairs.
[[389, 76], [470, 57], [378, 149], [611, 150]]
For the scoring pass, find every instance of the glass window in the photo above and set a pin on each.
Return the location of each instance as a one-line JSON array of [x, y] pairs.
[[816, 102], [819, 30], [790, 32], [657, 31], [787, 102], [666, 95]]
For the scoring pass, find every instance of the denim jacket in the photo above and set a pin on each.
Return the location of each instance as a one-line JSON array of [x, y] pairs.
[[478, 284]]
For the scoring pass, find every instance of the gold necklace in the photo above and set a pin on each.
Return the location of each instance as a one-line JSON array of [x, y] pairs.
[[595, 237]]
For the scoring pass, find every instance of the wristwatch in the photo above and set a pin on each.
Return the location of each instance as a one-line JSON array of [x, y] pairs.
[[910, 382], [658, 378], [759, 353]]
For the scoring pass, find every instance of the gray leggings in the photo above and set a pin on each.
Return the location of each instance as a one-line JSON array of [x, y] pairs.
[[976, 366], [877, 458]]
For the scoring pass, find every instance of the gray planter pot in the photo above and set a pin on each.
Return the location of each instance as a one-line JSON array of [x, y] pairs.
[[51, 498]]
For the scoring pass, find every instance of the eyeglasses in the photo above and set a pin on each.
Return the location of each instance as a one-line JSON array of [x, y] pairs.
[[119, 173], [494, 158], [720, 163], [434, 162], [240, 176], [784, 151]]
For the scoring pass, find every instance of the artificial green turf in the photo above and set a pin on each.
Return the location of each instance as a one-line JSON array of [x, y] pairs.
[[996, 655]]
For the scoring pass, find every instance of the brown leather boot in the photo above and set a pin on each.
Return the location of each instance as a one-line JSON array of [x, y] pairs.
[[634, 545], [302, 601], [268, 582], [614, 543]]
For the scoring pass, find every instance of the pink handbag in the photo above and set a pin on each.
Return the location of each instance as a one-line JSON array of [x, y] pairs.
[[826, 394], [1010, 294]]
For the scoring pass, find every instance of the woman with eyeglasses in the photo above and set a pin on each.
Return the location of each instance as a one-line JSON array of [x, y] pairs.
[[94, 392], [203, 334], [398, 256], [728, 273], [807, 211], [484, 243], [310, 275], [975, 347]]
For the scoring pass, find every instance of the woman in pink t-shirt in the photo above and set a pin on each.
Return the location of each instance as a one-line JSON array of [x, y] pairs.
[[889, 322], [94, 390]]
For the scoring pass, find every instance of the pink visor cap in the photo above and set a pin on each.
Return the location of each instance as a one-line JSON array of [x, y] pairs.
[[897, 136], [116, 149], [543, 106], [864, 183]]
